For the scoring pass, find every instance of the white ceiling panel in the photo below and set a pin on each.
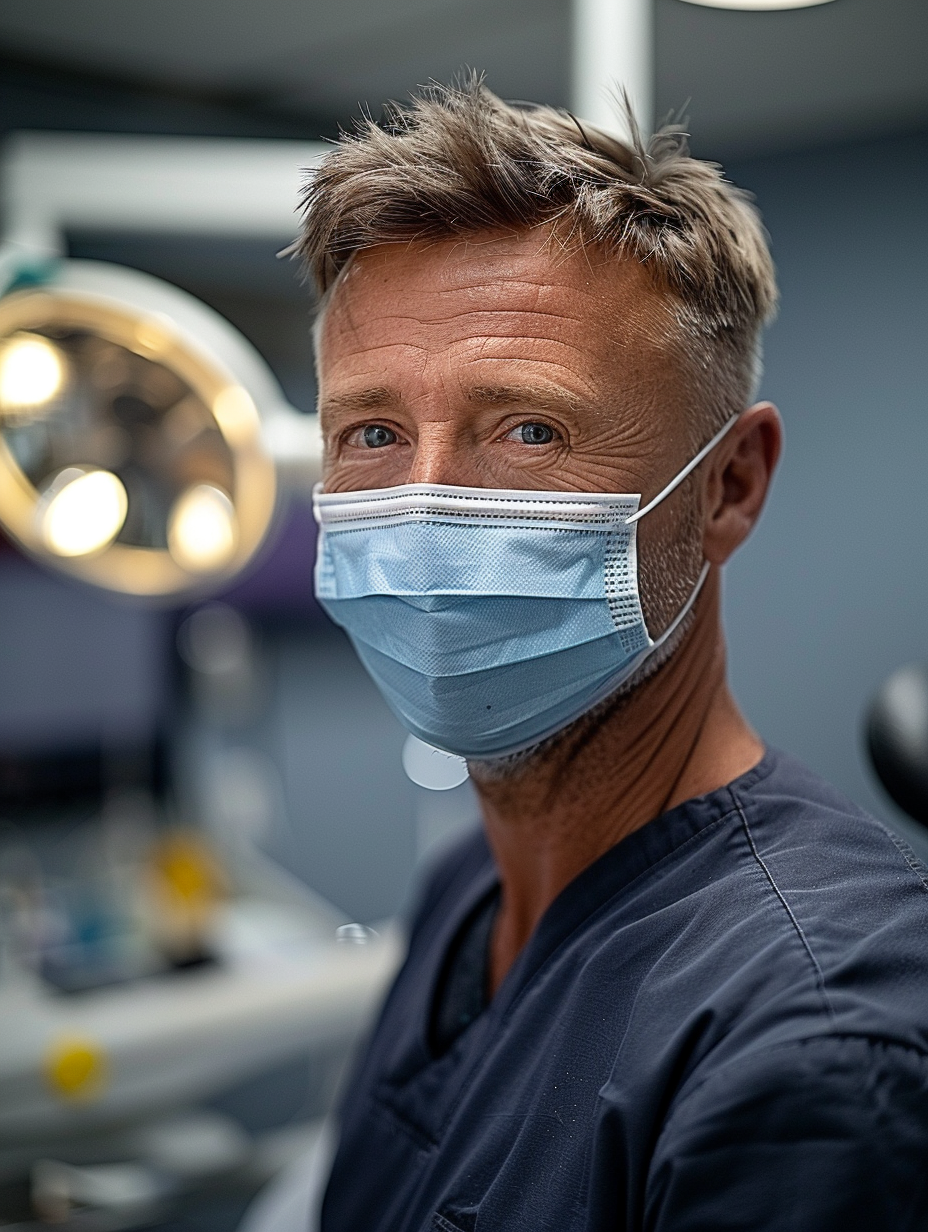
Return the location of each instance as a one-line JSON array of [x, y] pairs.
[[752, 81]]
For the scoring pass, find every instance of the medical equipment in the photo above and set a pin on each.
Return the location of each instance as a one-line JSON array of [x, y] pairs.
[[139, 432], [897, 738]]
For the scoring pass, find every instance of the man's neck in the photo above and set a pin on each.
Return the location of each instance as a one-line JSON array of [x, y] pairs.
[[677, 735]]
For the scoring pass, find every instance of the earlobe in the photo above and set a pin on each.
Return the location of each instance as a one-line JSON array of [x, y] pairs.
[[738, 482]]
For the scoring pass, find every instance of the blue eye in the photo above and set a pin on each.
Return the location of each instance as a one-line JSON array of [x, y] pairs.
[[375, 436], [536, 434]]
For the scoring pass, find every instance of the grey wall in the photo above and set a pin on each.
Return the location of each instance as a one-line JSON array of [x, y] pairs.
[[350, 809], [831, 594], [77, 665], [352, 824]]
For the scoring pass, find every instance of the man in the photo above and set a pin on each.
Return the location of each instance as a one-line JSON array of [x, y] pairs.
[[678, 982]]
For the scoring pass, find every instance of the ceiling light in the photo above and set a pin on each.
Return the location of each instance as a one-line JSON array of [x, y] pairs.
[[31, 372], [201, 531], [85, 511], [131, 432], [757, 6]]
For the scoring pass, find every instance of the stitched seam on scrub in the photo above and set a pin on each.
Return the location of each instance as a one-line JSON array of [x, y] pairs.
[[441, 1224], [911, 859], [797, 927], [381, 1105]]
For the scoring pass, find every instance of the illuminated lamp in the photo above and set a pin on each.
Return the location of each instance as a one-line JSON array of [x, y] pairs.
[[202, 529], [82, 511], [757, 6], [32, 373], [132, 432]]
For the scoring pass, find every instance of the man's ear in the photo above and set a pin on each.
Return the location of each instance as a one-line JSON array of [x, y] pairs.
[[738, 479]]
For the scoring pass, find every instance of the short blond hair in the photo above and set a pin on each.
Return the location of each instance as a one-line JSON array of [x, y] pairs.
[[458, 161]]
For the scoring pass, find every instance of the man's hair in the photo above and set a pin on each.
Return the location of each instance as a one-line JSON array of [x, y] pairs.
[[458, 161]]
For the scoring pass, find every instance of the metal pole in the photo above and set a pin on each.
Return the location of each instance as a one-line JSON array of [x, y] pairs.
[[613, 48], [50, 182]]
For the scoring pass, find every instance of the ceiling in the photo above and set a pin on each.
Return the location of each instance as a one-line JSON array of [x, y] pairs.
[[750, 82]]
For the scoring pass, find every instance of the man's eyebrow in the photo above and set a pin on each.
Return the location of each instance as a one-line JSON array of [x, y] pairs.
[[540, 397], [363, 400]]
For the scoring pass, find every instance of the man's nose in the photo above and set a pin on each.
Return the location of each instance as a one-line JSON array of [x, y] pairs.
[[441, 456]]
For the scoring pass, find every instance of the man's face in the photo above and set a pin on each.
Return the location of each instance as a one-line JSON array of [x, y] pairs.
[[500, 362]]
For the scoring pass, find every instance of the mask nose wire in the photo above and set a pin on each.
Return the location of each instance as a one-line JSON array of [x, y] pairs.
[[690, 466]]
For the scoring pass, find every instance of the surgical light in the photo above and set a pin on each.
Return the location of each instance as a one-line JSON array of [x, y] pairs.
[[31, 372], [202, 529], [757, 6], [132, 431], [84, 513]]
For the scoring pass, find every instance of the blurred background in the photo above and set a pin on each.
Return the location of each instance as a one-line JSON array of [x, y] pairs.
[[204, 817]]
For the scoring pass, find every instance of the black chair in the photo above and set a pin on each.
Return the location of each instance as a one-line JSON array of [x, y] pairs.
[[897, 738]]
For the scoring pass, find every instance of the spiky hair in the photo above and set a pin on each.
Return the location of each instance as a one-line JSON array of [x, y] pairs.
[[458, 161]]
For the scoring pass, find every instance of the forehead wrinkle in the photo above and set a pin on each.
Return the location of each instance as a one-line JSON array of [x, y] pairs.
[[501, 305], [515, 314], [564, 358], [500, 280], [368, 350], [479, 317]]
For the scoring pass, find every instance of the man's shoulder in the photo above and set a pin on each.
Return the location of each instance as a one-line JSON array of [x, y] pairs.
[[783, 782], [775, 908], [840, 901], [805, 832]]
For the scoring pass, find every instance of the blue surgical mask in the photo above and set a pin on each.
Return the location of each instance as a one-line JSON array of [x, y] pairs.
[[489, 618]]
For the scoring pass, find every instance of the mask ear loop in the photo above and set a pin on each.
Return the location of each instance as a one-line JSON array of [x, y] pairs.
[[680, 616], [690, 466], [704, 571]]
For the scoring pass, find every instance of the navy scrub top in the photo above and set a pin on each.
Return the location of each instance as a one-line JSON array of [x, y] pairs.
[[721, 1024]]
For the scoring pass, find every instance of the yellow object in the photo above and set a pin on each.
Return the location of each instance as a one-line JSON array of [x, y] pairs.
[[188, 868], [186, 885], [76, 1068]]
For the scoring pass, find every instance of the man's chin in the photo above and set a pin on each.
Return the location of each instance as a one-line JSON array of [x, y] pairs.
[[560, 747], [565, 744]]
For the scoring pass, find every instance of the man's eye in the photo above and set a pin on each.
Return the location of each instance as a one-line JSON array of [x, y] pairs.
[[534, 434], [375, 436]]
